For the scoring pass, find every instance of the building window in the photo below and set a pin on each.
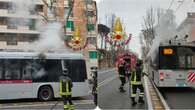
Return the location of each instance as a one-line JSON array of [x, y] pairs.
[[12, 8], [39, 8], [32, 23], [4, 5], [3, 21], [92, 40], [50, 12], [70, 25], [12, 23], [93, 54], [11, 40], [90, 27]]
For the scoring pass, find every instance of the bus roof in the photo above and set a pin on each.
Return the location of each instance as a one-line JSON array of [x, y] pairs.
[[177, 46], [36, 55]]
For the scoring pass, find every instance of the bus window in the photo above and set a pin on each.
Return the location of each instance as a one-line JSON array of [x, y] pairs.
[[186, 57], [77, 70], [12, 69], [53, 69], [38, 71], [26, 69], [189, 62], [182, 61], [1, 69], [167, 61], [193, 61]]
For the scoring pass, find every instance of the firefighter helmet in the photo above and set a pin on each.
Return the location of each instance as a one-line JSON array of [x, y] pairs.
[[65, 72], [139, 62]]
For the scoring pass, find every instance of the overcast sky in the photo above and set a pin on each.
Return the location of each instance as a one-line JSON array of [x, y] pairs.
[[132, 12]]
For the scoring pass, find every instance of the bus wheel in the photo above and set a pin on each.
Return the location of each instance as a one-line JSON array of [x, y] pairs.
[[45, 93]]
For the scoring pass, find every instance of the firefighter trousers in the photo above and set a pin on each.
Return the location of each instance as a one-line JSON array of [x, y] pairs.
[[123, 80], [67, 101], [134, 90]]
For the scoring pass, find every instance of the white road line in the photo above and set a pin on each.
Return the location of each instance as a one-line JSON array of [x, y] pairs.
[[106, 71], [107, 81], [42, 104]]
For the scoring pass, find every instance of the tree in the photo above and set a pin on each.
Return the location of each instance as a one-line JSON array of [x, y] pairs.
[[150, 21], [103, 30]]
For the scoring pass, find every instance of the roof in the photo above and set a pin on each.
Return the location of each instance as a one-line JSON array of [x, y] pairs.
[[36, 55]]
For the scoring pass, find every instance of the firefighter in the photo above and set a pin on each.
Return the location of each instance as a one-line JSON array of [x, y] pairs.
[[136, 83], [66, 90], [127, 68], [121, 71]]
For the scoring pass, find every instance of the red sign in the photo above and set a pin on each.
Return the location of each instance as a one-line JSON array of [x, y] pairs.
[[191, 77]]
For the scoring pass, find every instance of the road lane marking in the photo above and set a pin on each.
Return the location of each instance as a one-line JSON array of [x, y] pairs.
[[43, 104], [107, 81], [106, 71]]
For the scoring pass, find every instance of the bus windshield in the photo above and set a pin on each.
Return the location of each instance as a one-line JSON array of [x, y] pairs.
[[177, 57]]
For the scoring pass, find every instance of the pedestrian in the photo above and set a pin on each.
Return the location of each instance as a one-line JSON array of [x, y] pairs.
[[66, 90], [136, 83], [121, 71]]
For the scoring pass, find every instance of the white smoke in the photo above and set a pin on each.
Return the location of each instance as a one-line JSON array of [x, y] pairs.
[[39, 73], [50, 38], [22, 8], [165, 30], [50, 34]]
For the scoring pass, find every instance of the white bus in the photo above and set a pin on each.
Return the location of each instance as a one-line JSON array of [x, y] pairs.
[[31, 75], [174, 66]]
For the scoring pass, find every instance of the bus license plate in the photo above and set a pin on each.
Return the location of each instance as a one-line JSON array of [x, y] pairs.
[[180, 83]]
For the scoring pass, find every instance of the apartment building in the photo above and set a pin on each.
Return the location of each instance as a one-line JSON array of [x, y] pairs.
[[18, 23], [187, 27]]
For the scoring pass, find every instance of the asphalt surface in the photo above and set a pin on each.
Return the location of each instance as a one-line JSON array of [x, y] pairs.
[[109, 96], [81, 103], [179, 98]]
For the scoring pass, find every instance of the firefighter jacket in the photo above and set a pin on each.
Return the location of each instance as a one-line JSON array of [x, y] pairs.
[[136, 76], [65, 86]]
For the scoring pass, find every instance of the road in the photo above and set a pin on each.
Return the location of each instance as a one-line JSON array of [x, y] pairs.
[[81, 103], [109, 96], [179, 98]]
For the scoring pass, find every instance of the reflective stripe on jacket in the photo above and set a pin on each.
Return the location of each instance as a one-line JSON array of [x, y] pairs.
[[136, 76], [65, 88]]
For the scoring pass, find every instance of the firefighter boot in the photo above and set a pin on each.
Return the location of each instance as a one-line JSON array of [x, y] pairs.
[[71, 107], [66, 107], [133, 103], [141, 100]]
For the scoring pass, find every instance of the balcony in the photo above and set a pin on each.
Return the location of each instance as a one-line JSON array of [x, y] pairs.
[[20, 45], [66, 3], [23, 28], [19, 29], [3, 11], [12, 14], [92, 34], [39, 2], [3, 26]]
